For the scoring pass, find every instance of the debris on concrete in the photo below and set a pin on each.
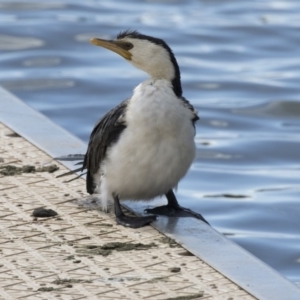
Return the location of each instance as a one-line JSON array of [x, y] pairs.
[[41, 212], [166, 240], [108, 248], [11, 170], [175, 269]]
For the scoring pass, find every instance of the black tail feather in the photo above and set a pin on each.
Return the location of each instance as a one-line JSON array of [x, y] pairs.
[[69, 173], [90, 184], [77, 177]]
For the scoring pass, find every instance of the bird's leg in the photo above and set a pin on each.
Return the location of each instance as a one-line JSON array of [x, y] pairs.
[[173, 209], [133, 222]]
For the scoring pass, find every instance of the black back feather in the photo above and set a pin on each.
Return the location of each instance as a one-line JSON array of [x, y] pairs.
[[105, 133]]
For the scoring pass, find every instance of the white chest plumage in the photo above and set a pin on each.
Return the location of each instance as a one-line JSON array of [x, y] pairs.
[[155, 150]]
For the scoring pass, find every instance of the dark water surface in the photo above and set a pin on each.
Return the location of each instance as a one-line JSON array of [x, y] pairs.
[[240, 64]]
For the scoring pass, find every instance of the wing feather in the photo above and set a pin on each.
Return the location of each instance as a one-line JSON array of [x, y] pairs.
[[188, 105], [105, 133]]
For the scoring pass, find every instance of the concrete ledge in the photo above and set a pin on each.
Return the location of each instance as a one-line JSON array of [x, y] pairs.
[[203, 241]]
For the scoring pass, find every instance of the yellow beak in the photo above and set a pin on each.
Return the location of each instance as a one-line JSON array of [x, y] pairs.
[[113, 46]]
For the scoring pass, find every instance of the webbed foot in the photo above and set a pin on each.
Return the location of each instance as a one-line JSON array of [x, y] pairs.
[[134, 222], [164, 210], [173, 209]]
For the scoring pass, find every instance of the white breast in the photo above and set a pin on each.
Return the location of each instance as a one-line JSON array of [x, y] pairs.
[[155, 150]]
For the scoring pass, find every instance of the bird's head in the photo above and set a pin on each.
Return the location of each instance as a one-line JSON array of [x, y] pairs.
[[147, 53]]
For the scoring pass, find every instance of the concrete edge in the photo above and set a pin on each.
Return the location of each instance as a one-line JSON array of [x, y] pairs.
[[203, 241]]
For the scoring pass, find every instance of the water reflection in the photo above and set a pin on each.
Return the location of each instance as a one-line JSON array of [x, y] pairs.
[[85, 37], [42, 62], [38, 84], [8, 42], [275, 109], [36, 5]]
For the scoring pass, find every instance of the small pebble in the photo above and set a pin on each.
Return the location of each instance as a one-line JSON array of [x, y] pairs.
[[77, 261], [41, 212], [175, 270]]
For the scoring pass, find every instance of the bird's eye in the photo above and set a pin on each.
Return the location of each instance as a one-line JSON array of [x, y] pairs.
[[127, 45]]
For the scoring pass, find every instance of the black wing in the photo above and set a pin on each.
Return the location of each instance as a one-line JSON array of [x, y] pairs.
[[188, 105], [105, 133]]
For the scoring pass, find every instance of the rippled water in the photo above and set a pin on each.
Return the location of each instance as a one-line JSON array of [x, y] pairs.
[[240, 64]]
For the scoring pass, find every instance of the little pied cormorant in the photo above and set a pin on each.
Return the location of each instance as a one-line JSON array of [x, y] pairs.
[[143, 147]]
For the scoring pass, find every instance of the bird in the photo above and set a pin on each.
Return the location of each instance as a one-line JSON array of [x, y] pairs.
[[144, 146]]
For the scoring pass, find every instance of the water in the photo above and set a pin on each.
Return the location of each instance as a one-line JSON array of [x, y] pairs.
[[240, 63]]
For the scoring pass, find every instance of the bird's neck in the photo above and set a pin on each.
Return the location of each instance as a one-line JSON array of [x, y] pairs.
[[173, 78], [176, 83], [163, 69]]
